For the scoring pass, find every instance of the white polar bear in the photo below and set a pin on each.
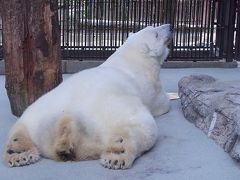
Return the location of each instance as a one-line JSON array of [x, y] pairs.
[[104, 112]]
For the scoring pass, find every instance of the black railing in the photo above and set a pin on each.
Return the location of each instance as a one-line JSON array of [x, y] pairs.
[[1, 40], [204, 29]]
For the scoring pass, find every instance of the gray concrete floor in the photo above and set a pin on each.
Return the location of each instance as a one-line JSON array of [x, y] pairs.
[[182, 152]]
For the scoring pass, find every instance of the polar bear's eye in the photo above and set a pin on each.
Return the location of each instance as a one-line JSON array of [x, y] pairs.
[[15, 139]]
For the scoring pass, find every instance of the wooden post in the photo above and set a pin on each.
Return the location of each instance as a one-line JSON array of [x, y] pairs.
[[31, 45]]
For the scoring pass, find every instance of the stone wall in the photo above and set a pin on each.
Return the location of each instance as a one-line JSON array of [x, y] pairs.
[[214, 107]]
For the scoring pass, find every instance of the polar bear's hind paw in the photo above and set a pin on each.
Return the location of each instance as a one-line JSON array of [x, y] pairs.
[[115, 161], [21, 159], [118, 155]]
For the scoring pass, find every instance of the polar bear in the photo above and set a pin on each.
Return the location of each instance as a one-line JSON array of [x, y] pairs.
[[104, 113]]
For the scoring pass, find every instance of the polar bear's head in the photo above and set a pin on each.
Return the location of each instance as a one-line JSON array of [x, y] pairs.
[[151, 41]]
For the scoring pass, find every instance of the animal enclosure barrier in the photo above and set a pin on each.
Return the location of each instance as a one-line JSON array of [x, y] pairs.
[[204, 30], [93, 29]]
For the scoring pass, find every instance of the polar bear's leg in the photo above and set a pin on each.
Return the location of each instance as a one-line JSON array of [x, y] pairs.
[[65, 140], [161, 104], [127, 142], [73, 143], [20, 149]]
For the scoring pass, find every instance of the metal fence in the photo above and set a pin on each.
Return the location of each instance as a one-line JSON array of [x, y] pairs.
[[204, 29], [93, 29]]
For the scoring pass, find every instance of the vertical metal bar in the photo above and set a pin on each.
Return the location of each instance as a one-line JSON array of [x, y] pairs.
[[209, 27], [139, 14], [123, 20], [201, 30], [92, 27], [212, 34], [131, 16], [196, 36], [231, 24], [63, 26], [128, 17], [220, 22], [134, 15], [108, 23], [97, 5], [155, 13], [67, 24], [184, 32], [115, 26], [237, 39], [111, 25], [190, 28], [86, 25], [150, 13], [70, 27], [165, 14], [74, 36], [193, 34], [104, 27], [205, 27], [142, 16], [89, 25], [177, 27], [146, 15], [78, 24], [171, 20], [60, 22], [181, 30], [158, 8], [81, 6], [120, 20]]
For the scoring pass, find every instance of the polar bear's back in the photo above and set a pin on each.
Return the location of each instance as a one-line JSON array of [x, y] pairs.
[[88, 95]]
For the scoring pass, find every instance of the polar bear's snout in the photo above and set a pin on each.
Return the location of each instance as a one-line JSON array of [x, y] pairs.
[[166, 32]]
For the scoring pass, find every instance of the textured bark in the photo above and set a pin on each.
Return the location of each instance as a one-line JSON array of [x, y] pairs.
[[214, 107], [31, 50]]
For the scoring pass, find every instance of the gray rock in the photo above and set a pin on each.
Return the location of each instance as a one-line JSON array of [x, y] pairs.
[[214, 107]]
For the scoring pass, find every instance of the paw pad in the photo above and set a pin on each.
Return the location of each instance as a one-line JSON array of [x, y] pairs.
[[21, 159]]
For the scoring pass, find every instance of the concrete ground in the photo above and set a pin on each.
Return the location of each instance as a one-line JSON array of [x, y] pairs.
[[182, 152]]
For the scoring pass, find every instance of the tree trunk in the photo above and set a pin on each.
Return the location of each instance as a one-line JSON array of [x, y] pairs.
[[31, 43]]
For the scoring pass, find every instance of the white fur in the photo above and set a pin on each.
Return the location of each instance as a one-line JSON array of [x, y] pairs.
[[121, 96]]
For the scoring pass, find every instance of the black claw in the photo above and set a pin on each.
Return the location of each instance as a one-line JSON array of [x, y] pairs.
[[115, 162], [9, 151], [123, 164], [109, 161]]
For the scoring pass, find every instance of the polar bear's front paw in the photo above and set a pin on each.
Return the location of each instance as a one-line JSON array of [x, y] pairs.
[[22, 159]]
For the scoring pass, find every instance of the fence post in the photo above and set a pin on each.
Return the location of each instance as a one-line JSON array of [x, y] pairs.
[[230, 14], [237, 38], [170, 11]]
